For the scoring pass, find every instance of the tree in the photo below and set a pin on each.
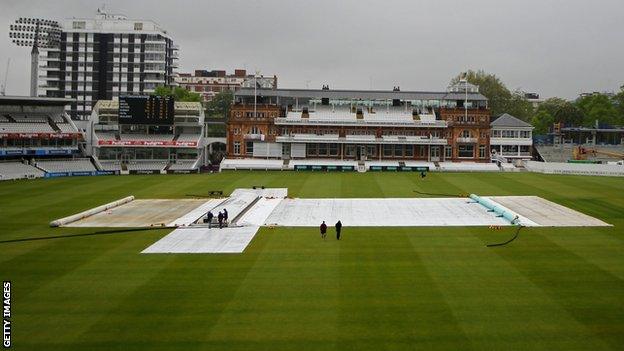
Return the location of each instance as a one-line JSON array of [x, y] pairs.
[[597, 107], [500, 99], [542, 121], [519, 106], [551, 105], [491, 87], [219, 106], [618, 102], [179, 94], [562, 111], [569, 114]]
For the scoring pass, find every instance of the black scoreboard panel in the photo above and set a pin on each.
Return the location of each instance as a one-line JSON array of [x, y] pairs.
[[156, 110]]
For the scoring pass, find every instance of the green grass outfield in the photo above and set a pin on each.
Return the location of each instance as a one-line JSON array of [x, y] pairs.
[[378, 289]]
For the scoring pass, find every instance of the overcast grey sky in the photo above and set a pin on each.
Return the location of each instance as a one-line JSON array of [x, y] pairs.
[[553, 47]]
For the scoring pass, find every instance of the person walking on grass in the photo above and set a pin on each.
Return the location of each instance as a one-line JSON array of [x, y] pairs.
[[220, 218], [338, 229], [323, 230]]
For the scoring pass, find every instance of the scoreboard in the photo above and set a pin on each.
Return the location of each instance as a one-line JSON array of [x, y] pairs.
[[156, 110]]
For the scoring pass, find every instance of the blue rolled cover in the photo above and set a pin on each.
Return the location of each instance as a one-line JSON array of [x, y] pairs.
[[512, 217]]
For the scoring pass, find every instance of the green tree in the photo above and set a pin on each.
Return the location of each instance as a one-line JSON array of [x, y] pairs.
[[179, 94], [519, 106], [562, 111], [491, 87], [542, 121], [219, 106], [551, 105], [500, 99], [618, 103], [597, 107]]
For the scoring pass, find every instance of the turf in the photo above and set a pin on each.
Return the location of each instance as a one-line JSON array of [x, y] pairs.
[[378, 289]]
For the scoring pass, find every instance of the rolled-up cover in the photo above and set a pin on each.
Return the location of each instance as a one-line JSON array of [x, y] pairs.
[[512, 217], [90, 212]]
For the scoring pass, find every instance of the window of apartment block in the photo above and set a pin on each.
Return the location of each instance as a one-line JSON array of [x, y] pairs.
[[524, 148], [465, 151], [333, 149], [525, 134], [350, 150], [466, 133], [448, 151], [249, 148], [482, 151], [237, 148]]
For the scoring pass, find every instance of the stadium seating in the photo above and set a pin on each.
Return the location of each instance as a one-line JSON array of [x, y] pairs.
[[575, 168], [110, 165], [105, 135], [188, 137], [563, 153], [66, 128], [66, 165], [18, 170], [147, 165], [468, 167], [251, 164], [34, 127], [183, 165], [147, 137], [30, 118]]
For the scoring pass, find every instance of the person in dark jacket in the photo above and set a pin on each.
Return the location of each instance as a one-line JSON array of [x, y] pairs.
[[338, 229], [209, 216], [323, 230], [225, 216], [220, 218]]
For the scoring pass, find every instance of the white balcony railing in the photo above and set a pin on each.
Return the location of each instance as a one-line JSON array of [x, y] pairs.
[[511, 141], [467, 140], [254, 136], [358, 139], [325, 122]]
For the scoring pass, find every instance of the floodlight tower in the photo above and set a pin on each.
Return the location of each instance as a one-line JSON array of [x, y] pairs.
[[36, 33]]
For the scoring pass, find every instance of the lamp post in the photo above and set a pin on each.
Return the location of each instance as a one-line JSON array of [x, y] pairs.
[[36, 33]]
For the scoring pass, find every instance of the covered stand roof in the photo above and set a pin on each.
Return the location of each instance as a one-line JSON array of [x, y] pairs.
[[360, 94], [507, 120]]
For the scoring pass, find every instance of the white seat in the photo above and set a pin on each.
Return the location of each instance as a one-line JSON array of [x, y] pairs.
[[18, 170]]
